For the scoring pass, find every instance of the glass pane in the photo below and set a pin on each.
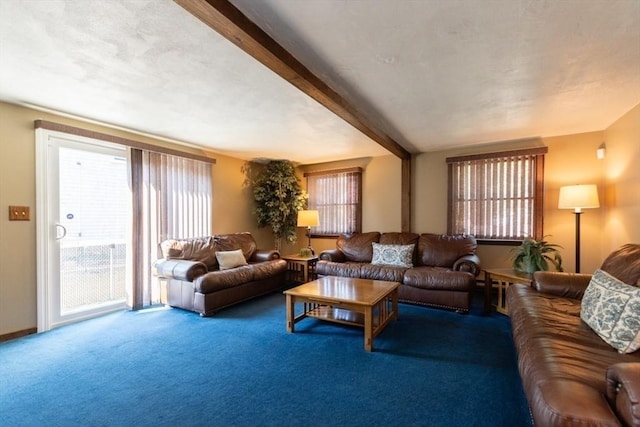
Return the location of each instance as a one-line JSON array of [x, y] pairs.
[[93, 209]]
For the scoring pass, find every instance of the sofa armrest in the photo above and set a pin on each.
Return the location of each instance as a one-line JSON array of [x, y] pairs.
[[568, 285], [265, 255], [623, 391], [335, 255], [179, 269], [468, 263]]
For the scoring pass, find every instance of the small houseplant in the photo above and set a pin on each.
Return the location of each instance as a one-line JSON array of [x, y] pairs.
[[535, 255], [278, 197]]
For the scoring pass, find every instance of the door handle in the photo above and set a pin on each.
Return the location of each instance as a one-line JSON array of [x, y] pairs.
[[64, 232]]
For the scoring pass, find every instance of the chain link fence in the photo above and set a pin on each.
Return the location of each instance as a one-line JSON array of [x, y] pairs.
[[92, 274]]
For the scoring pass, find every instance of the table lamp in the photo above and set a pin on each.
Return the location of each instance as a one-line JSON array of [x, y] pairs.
[[308, 218]]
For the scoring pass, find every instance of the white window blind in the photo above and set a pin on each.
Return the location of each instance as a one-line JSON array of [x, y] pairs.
[[497, 196], [172, 200], [336, 195]]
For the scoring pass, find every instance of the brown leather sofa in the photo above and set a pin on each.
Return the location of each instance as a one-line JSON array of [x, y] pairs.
[[570, 375], [443, 274], [191, 279]]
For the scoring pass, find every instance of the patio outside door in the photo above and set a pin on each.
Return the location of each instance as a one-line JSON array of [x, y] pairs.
[[84, 230]]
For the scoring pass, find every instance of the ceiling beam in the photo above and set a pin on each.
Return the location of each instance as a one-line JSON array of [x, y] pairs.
[[228, 21]]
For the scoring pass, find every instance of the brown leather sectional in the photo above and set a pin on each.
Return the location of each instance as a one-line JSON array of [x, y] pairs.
[[443, 274], [191, 279], [570, 375]]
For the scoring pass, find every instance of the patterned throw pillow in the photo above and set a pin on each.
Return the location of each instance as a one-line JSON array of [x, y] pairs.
[[393, 255], [612, 309]]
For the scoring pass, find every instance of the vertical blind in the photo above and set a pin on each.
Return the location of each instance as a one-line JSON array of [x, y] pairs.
[[336, 195], [497, 196], [172, 199]]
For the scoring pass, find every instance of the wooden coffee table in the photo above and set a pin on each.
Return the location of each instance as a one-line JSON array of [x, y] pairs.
[[371, 304]]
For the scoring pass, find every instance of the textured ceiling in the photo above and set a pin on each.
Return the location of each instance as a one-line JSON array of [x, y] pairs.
[[432, 73]]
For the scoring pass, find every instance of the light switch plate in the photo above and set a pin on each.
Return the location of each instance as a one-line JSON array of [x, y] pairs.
[[19, 213]]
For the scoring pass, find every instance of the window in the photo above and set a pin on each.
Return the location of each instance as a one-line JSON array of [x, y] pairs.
[[497, 196], [337, 196]]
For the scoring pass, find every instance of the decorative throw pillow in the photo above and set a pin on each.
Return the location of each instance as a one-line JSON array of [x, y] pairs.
[[612, 309], [230, 259], [393, 255]]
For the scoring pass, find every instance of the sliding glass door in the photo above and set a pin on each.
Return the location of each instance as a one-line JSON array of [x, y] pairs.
[[85, 229]]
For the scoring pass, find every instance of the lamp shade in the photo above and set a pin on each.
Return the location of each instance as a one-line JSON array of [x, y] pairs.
[[308, 218], [578, 197]]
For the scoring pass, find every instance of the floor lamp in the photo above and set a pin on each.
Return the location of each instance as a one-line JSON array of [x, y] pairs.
[[308, 218], [578, 197]]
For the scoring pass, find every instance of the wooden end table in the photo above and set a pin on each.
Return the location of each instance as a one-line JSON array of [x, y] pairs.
[[303, 267], [371, 304], [504, 277]]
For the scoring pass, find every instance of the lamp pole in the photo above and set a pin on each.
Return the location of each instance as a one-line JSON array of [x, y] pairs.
[[578, 212]]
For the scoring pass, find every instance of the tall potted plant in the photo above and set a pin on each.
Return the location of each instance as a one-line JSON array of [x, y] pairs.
[[278, 197], [535, 255]]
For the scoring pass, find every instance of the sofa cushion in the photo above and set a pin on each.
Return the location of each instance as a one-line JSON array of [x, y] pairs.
[[358, 247], [342, 269], [267, 269], [439, 250], [231, 242], [438, 278], [230, 259], [624, 264], [393, 255], [382, 272], [222, 279], [612, 309], [395, 238], [201, 249]]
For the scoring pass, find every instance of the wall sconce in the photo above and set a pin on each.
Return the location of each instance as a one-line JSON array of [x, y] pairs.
[[578, 197], [308, 218], [601, 152]]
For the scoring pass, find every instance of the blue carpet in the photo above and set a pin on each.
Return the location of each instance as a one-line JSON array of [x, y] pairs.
[[169, 367]]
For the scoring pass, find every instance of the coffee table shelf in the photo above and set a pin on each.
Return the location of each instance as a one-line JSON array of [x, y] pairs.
[[336, 315]]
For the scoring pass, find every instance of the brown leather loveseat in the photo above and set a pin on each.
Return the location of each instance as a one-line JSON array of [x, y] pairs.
[[191, 276], [570, 375], [442, 273]]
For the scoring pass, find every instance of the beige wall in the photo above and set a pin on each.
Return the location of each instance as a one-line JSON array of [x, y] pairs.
[[380, 195], [231, 208], [622, 181], [571, 160]]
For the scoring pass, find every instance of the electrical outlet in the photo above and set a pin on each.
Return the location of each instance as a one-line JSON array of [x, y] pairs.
[[19, 213]]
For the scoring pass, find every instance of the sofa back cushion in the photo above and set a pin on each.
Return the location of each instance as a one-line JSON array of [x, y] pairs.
[[440, 250], [357, 247], [624, 264], [203, 249], [200, 249], [231, 242]]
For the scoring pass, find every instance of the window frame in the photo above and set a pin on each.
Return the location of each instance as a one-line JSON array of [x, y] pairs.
[[537, 182], [358, 214]]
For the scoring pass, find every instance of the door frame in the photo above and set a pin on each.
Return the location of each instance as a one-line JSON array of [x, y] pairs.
[[44, 191]]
